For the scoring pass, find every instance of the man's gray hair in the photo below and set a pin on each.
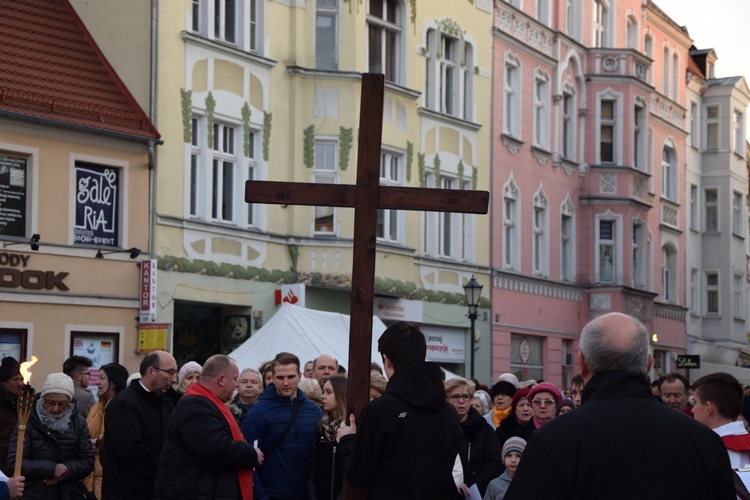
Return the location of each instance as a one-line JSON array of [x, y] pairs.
[[246, 370], [604, 355]]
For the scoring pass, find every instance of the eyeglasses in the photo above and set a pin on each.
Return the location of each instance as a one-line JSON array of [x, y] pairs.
[[63, 405], [458, 397], [543, 402], [172, 373]]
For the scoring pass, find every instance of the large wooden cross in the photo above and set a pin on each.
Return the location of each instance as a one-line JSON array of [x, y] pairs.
[[366, 197]]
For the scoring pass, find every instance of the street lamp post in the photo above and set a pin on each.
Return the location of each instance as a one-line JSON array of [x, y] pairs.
[[473, 291]]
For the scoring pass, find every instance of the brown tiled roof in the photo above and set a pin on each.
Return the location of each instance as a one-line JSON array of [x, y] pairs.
[[51, 69]]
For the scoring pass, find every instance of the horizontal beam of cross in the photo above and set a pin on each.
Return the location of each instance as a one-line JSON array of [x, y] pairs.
[[345, 195]]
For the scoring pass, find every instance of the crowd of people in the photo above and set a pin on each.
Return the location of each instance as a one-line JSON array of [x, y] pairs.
[[283, 431]]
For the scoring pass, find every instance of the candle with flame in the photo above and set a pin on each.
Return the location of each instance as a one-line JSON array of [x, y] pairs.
[[25, 403]]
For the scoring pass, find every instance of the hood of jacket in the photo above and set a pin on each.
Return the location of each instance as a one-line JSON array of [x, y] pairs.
[[420, 385]]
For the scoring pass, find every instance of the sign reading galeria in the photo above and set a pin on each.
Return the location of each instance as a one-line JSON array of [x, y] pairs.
[[97, 205], [12, 196]]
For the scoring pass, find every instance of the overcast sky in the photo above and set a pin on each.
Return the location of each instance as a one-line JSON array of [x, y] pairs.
[[722, 25]]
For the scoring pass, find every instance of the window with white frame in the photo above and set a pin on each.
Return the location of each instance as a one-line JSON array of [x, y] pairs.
[[694, 125], [665, 64], [326, 35], [648, 47], [712, 127], [326, 172], [389, 223], [450, 81], [569, 113], [512, 92], [541, 110], [694, 214], [711, 210], [669, 173], [738, 126], [738, 214], [601, 23], [236, 22], [675, 77], [567, 241], [695, 305], [385, 19], [668, 273], [712, 293], [608, 131], [631, 32], [225, 20], [195, 162], [639, 135], [573, 16], [540, 232], [511, 226], [542, 11], [252, 173], [738, 293], [225, 178], [607, 259], [639, 253]]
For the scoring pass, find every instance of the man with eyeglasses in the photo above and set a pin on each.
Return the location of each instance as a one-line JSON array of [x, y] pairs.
[[79, 369], [545, 400], [136, 427], [621, 443]]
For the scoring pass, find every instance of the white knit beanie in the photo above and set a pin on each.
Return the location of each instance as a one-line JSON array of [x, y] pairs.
[[187, 369], [58, 383]]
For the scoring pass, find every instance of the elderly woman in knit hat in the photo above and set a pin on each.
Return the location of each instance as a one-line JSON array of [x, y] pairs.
[[502, 396], [520, 415], [545, 399], [57, 451], [189, 374]]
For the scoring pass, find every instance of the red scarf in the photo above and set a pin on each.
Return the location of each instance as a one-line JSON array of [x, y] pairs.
[[245, 476], [737, 443]]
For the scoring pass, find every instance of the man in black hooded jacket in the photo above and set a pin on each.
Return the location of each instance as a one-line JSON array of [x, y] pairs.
[[406, 441]]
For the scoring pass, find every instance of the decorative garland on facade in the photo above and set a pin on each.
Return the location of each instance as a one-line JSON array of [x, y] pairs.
[[420, 169], [308, 147], [409, 159], [294, 256], [436, 167], [186, 99], [267, 117], [345, 146], [460, 174], [246, 128], [413, 14], [210, 106], [474, 177], [250, 273]]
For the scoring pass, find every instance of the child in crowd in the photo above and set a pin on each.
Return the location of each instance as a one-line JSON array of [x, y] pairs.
[[512, 451]]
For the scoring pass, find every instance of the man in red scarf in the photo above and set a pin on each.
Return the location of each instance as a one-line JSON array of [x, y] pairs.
[[205, 454]]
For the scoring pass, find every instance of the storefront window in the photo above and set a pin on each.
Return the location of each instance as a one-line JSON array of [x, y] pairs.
[[526, 357]]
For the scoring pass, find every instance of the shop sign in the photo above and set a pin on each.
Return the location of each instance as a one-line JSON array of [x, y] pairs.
[[148, 291], [398, 309], [29, 279]]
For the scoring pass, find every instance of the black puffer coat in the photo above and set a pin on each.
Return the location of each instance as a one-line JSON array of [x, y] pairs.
[[480, 452], [43, 449]]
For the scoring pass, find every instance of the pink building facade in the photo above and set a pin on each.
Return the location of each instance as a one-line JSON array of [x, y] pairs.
[[588, 135]]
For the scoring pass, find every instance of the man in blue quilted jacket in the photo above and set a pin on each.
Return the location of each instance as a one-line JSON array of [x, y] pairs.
[[283, 421]]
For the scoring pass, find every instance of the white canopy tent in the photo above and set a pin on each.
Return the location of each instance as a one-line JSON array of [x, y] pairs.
[[306, 333]]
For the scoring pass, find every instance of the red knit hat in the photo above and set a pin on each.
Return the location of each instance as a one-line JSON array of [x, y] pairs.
[[520, 393], [546, 387]]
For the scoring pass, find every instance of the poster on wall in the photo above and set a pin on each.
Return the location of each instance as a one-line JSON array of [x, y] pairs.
[[97, 201], [10, 345], [100, 350], [12, 196]]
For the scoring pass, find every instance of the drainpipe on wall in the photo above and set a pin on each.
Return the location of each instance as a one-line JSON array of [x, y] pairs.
[[152, 117]]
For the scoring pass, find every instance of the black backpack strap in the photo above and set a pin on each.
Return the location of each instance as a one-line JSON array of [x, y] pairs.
[[285, 433]]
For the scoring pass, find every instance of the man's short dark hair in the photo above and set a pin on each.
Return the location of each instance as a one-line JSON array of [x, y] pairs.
[[150, 360], [723, 391], [75, 364], [671, 377], [576, 381], [404, 344], [286, 358]]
